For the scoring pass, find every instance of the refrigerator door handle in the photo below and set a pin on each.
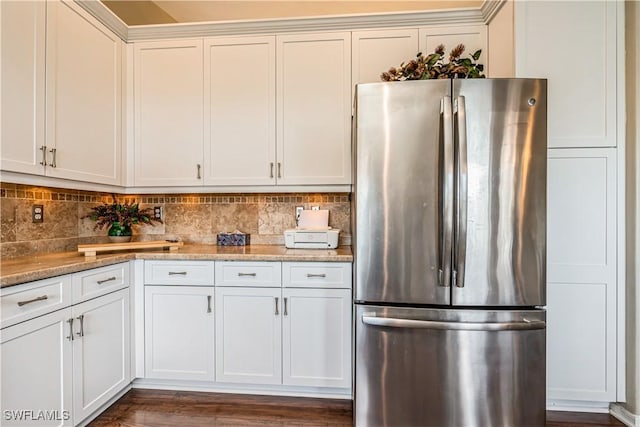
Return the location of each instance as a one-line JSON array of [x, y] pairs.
[[392, 322], [447, 174], [460, 240]]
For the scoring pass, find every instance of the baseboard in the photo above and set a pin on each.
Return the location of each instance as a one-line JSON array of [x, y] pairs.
[[578, 406], [329, 393], [624, 415]]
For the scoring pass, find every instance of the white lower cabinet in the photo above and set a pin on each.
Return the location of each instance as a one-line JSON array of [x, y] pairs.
[[101, 351], [248, 335], [62, 362], [316, 329], [290, 336], [179, 328], [582, 302], [36, 372]]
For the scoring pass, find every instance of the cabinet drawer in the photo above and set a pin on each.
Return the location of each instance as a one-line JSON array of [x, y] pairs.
[[24, 302], [193, 273], [99, 281], [316, 275], [266, 274]]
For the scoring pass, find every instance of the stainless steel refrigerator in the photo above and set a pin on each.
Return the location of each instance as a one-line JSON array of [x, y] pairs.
[[450, 248]]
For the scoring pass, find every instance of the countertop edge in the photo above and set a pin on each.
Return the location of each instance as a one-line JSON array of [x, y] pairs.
[[72, 262]]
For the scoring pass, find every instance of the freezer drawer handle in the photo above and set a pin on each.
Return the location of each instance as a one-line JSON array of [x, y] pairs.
[[455, 326]]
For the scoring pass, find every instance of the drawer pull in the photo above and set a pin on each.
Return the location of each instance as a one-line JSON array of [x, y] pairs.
[[316, 275], [70, 322], [81, 319], [247, 274], [42, 298], [100, 282], [177, 273]]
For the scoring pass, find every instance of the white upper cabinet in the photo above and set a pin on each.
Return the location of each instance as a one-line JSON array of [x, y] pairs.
[[23, 55], [240, 104], [168, 113], [81, 84], [473, 37], [576, 51], [83, 97], [378, 50], [313, 108]]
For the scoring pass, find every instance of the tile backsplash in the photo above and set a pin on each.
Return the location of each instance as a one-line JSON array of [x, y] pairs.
[[192, 218]]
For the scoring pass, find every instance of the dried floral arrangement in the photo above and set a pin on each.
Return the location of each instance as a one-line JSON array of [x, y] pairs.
[[433, 66], [126, 214]]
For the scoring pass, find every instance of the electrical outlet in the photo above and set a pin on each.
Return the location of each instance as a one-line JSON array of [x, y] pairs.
[[315, 208], [37, 213], [157, 212], [299, 210]]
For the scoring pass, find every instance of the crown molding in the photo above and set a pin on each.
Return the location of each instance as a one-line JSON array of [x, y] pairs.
[[490, 8], [288, 25], [103, 14]]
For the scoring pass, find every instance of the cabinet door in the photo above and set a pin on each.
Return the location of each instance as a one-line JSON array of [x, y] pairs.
[[316, 327], [579, 39], [23, 57], [473, 37], [314, 109], [240, 105], [84, 95], [168, 113], [581, 262], [101, 351], [376, 51], [179, 323], [248, 335], [36, 358]]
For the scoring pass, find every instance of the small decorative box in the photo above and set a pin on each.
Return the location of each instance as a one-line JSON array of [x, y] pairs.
[[237, 238]]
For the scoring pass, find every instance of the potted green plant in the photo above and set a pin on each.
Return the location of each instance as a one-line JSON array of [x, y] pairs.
[[119, 217], [433, 66]]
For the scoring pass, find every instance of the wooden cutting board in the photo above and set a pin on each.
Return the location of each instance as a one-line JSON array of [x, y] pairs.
[[92, 250]]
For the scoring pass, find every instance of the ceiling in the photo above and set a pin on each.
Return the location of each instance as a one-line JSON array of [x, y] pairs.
[[146, 12]]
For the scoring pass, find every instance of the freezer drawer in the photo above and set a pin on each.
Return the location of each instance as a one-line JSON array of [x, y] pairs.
[[458, 368]]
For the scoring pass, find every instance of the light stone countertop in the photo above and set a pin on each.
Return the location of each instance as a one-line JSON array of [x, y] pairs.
[[25, 269]]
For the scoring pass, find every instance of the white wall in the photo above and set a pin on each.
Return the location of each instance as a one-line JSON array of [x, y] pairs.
[[501, 56], [632, 14]]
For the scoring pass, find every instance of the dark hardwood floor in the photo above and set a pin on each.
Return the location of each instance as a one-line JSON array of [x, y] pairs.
[[151, 408]]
